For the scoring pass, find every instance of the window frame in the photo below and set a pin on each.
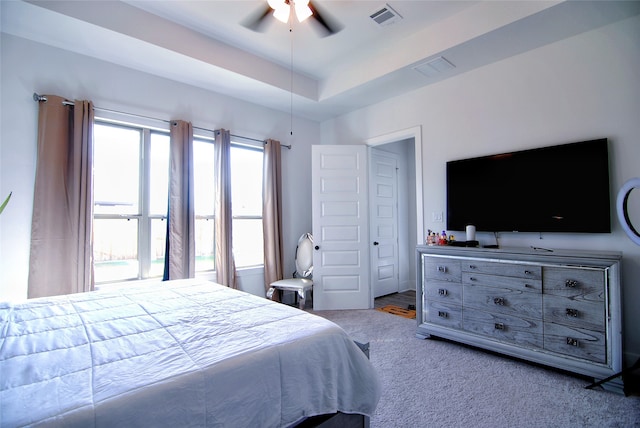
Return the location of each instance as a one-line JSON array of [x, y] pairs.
[[246, 144], [143, 217]]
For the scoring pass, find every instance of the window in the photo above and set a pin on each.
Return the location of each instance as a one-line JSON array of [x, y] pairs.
[[246, 205], [204, 201], [131, 175]]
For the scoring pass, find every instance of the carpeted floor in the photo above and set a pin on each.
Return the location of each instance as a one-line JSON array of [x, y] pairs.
[[436, 383]]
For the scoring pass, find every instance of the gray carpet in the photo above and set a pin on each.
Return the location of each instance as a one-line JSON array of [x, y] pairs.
[[435, 383]]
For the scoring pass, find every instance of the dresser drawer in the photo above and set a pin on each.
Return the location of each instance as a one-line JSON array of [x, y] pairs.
[[442, 269], [443, 314], [520, 284], [575, 342], [502, 300], [522, 331], [515, 270], [571, 282], [574, 312], [448, 292]]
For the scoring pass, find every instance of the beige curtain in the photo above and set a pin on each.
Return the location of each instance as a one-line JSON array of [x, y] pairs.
[[61, 229], [272, 214], [180, 252], [225, 264]]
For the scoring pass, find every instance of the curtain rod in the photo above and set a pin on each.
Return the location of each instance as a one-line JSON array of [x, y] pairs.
[[42, 98]]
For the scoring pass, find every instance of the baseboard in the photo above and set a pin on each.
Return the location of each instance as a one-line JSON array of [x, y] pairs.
[[407, 286]]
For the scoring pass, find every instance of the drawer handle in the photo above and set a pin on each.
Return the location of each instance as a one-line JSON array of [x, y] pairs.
[[528, 272], [572, 342], [443, 292], [471, 278], [572, 283], [499, 301], [443, 314], [472, 267], [572, 312], [499, 326], [442, 269]]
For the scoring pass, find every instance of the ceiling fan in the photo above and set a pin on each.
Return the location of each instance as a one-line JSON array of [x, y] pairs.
[[284, 10]]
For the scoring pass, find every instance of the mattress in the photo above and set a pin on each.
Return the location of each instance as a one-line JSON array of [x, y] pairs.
[[176, 353]]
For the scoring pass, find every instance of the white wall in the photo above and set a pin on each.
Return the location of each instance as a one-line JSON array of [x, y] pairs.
[[29, 67], [581, 88]]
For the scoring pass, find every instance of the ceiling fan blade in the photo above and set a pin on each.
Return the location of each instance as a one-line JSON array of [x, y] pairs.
[[258, 20], [326, 23]]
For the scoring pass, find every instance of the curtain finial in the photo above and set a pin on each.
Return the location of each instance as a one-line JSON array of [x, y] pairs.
[[39, 98]]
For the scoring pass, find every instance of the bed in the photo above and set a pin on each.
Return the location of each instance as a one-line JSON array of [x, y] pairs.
[[179, 353]]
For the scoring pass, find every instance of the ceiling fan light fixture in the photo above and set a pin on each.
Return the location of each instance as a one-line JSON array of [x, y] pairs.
[[282, 13], [277, 4], [303, 11], [282, 9]]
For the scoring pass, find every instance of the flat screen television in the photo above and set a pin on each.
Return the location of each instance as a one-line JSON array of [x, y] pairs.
[[562, 188]]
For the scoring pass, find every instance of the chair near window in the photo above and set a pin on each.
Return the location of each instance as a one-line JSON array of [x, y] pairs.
[[302, 281]]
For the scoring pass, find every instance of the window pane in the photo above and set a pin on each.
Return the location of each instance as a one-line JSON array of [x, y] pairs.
[[203, 178], [203, 199], [247, 242], [246, 181], [204, 235], [158, 247], [159, 174], [116, 169], [115, 249]]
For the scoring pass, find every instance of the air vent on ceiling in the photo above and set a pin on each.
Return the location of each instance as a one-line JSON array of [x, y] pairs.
[[434, 66], [386, 16]]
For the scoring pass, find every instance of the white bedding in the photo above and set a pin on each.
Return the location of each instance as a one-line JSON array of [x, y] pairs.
[[180, 353]]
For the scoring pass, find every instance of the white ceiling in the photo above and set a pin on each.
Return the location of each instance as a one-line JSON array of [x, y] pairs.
[[204, 43]]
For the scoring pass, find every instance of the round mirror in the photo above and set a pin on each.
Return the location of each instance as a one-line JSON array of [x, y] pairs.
[[628, 208]]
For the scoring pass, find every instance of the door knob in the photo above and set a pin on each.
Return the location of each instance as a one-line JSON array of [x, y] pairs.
[[376, 243], [317, 247]]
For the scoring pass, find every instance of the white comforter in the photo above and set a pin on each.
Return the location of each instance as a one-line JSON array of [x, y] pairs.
[[177, 354]]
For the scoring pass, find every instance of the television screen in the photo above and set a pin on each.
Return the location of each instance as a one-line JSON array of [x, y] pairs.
[[563, 188]]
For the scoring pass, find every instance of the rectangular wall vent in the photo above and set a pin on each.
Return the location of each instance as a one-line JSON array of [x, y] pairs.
[[434, 66], [386, 16]]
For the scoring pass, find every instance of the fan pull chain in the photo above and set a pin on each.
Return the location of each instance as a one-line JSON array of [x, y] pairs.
[[291, 83]]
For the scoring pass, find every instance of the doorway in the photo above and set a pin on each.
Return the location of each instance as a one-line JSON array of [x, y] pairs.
[[342, 267], [406, 146], [406, 221]]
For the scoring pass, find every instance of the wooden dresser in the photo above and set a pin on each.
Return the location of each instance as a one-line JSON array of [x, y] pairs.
[[558, 308]]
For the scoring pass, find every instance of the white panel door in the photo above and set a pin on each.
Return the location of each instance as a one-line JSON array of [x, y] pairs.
[[340, 228], [383, 219]]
